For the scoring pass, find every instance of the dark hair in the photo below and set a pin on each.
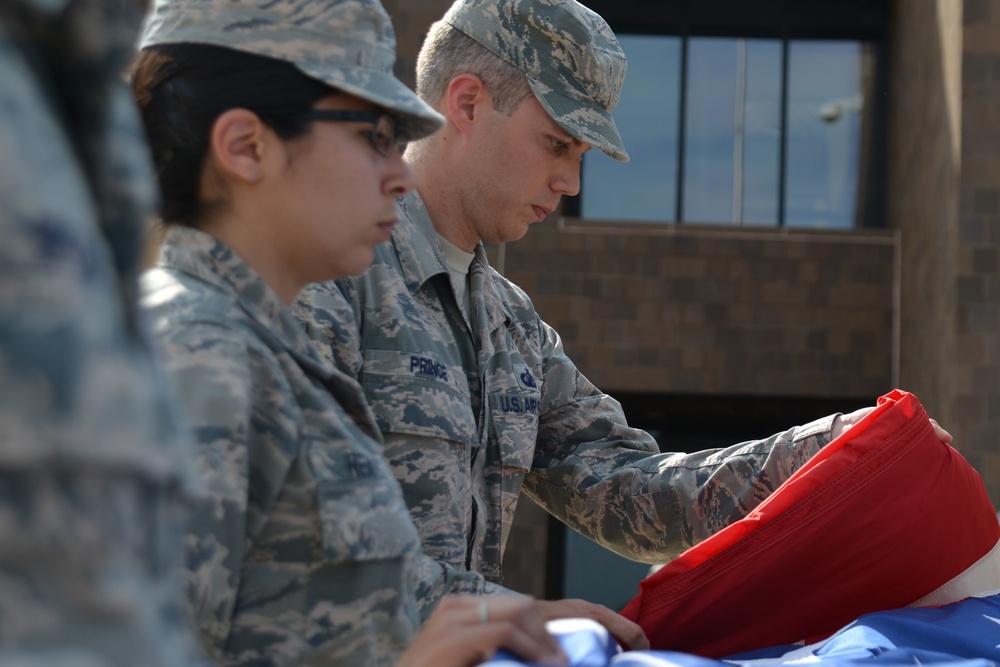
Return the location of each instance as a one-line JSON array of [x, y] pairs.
[[181, 90]]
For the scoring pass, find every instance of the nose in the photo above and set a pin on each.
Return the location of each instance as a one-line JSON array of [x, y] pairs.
[[566, 178], [399, 178]]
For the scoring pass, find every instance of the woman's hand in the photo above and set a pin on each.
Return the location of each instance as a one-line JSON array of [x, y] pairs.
[[466, 630], [625, 631]]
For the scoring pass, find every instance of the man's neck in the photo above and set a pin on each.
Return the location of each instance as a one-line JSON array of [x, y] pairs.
[[436, 186]]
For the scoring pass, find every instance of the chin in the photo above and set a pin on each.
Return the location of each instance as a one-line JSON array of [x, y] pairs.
[[357, 263], [515, 234]]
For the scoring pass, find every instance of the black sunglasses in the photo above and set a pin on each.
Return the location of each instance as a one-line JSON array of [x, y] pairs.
[[382, 137]]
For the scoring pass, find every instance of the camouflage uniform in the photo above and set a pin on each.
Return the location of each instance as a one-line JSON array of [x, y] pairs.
[[474, 407], [93, 466], [303, 553]]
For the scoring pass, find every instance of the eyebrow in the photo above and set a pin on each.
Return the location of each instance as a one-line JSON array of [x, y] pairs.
[[570, 139], [557, 131], [563, 135], [577, 144]]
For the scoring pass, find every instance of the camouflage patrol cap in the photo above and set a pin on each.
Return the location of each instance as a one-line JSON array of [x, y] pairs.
[[347, 44], [571, 57]]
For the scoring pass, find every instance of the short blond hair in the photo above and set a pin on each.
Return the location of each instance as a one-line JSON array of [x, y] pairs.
[[448, 52]]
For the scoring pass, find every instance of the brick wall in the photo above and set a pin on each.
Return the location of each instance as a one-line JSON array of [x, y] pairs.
[[678, 310]]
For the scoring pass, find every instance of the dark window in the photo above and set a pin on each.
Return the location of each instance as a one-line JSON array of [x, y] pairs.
[[771, 118]]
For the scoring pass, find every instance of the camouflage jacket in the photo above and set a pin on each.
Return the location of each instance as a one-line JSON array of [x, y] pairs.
[[474, 409], [303, 553], [94, 463]]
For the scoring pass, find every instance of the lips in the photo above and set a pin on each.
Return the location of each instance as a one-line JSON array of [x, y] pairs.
[[386, 227], [542, 212]]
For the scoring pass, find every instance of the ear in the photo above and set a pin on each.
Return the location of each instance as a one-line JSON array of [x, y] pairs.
[[466, 100], [239, 143]]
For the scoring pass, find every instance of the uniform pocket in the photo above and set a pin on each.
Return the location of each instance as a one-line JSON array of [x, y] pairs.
[[417, 394], [364, 521]]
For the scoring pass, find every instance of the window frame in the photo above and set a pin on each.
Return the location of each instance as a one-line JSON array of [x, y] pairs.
[[784, 20]]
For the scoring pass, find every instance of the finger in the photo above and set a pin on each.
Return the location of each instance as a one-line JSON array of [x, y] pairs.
[[625, 631], [942, 434], [524, 612], [842, 423], [505, 634], [859, 414], [456, 636]]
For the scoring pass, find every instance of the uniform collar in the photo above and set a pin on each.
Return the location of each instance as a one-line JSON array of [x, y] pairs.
[[415, 242], [208, 259], [420, 258]]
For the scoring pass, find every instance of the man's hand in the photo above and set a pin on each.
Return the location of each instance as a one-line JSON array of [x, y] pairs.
[[624, 630], [844, 422]]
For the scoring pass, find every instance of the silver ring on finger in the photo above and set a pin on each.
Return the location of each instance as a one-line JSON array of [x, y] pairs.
[[484, 612]]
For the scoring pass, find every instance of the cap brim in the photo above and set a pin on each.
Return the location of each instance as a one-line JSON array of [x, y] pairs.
[[589, 124], [416, 118], [354, 63]]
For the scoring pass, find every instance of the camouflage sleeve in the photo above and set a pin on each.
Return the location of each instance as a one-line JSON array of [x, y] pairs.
[[88, 569], [218, 376], [439, 579], [608, 481]]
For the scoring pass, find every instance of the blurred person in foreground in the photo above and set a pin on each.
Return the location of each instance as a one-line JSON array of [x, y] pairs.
[[95, 467]]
